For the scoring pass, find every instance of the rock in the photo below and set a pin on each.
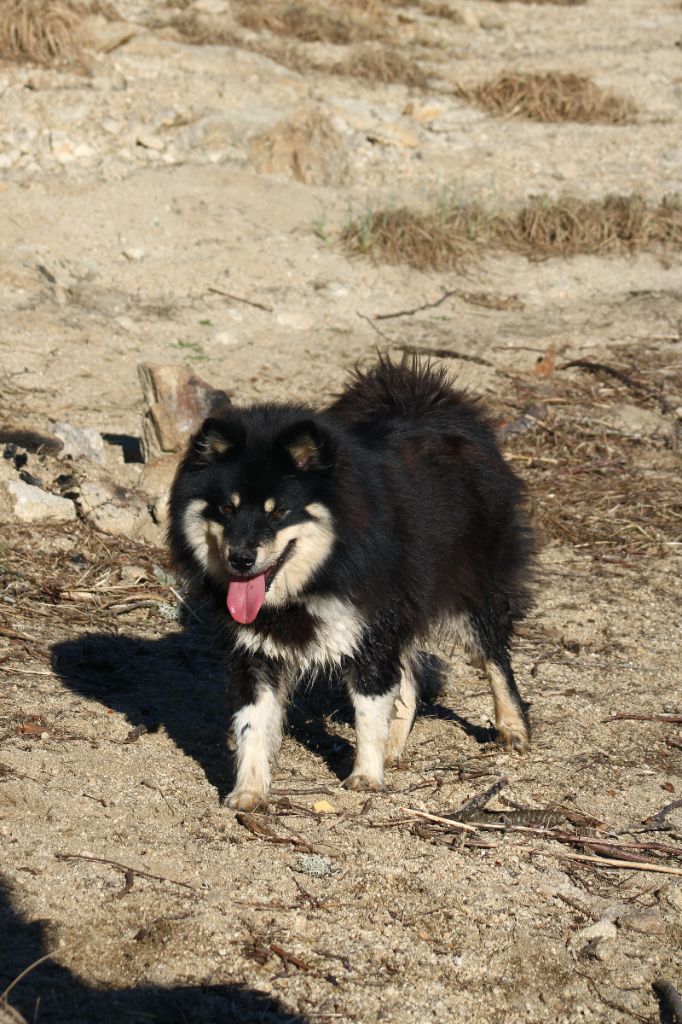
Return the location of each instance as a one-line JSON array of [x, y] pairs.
[[133, 253], [313, 864], [396, 134], [176, 403], [634, 421], [33, 505], [155, 481], [104, 35], [306, 146], [214, 7], [594, 934], [149, 141], [32, 440], [80, 442], [117, 511], [649, 922]]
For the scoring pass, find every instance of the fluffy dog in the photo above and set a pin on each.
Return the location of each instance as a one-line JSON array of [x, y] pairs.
[[339, 538]]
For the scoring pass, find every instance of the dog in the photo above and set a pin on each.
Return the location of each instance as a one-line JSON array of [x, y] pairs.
[[338, 539]]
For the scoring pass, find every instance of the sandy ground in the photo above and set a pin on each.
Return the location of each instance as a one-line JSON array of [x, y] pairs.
[[118, 859]]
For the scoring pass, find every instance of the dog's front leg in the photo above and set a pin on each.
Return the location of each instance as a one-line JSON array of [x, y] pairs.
[[258, 718], [374, 685]]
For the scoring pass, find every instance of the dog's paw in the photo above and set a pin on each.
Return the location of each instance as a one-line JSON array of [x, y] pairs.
[[247, 800], [363, 784], [513, 738]]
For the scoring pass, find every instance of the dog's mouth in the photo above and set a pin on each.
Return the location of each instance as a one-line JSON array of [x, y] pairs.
[[246, 594]]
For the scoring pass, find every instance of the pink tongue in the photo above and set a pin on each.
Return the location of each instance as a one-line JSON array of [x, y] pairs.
[[245, 598]]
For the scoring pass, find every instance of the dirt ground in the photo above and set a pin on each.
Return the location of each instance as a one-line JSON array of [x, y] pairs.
[[183, 203]]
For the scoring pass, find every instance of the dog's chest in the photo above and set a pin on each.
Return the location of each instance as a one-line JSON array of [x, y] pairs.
[[322, 631]]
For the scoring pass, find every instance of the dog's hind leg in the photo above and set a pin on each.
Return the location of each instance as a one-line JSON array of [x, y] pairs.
[[490, 647], [258, 720], [404, 709]]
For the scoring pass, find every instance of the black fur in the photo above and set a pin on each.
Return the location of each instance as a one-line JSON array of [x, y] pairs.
[[427, 521]]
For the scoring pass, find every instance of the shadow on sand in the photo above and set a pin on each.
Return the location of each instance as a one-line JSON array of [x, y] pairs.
[[51, 993], [179, 683]]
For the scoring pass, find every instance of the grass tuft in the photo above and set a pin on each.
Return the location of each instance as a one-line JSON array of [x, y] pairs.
[[455, 234], [549, 97], [45, 32], [381, 64], [312, 22], [556, 3]]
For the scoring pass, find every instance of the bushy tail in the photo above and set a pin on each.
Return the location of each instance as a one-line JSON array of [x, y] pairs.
[[409, 389], [429, 674]]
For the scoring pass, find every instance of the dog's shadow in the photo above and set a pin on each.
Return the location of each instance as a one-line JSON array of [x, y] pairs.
[[53, 993], [179, 683]]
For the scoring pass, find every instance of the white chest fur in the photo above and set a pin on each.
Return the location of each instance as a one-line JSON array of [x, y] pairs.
[[338, 628]]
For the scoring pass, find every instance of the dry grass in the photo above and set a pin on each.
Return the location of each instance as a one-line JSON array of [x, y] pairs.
[[556, 3], [313, 22], [381, 64], [549, 97], [457, 233], [45, 32], [591, 485], [200, 31]]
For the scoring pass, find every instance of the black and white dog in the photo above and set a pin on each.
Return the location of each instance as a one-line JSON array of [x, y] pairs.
[[339, 539]]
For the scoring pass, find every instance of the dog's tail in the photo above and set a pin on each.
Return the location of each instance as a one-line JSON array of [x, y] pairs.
[[410, 389], [429, 674]]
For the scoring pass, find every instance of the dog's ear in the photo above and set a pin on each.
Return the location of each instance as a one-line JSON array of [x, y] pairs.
[[307, 445], [217, 439]]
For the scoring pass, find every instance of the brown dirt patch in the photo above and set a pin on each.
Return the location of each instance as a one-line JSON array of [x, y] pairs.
[[549, 97]]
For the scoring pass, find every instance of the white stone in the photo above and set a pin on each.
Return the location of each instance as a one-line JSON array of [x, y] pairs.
[[211, 7], [150, 141], [133, 253], [33, 505], [78, 442]]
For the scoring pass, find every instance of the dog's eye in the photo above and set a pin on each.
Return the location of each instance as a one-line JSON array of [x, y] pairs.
[[278, 512], [227, 509]]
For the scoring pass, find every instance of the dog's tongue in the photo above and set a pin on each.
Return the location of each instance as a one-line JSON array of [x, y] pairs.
[[245, 598]]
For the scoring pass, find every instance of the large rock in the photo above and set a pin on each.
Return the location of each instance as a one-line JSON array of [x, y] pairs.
[[33, 505], [118, 511], [306, 147], [176, 401], [155, 481]]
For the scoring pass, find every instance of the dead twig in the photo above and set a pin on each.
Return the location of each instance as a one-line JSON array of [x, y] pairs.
[[289, 958], [125, 868], [417, 309], [602, 861], [239, 298], [612, 371], [469, 807], [624, 716], [659, 817], [259, 829], [20, 977]]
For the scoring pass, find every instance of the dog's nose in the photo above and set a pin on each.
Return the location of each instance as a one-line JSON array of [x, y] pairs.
[[242, 561]]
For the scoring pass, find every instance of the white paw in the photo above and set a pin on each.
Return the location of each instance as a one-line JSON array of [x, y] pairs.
[[363, 784], [247, 800]]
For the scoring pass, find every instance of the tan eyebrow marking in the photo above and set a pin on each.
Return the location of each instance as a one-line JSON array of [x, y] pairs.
[[235, 499], [269, 504]]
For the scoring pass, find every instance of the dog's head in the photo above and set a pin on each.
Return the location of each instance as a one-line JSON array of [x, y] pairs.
[[250, 508]]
